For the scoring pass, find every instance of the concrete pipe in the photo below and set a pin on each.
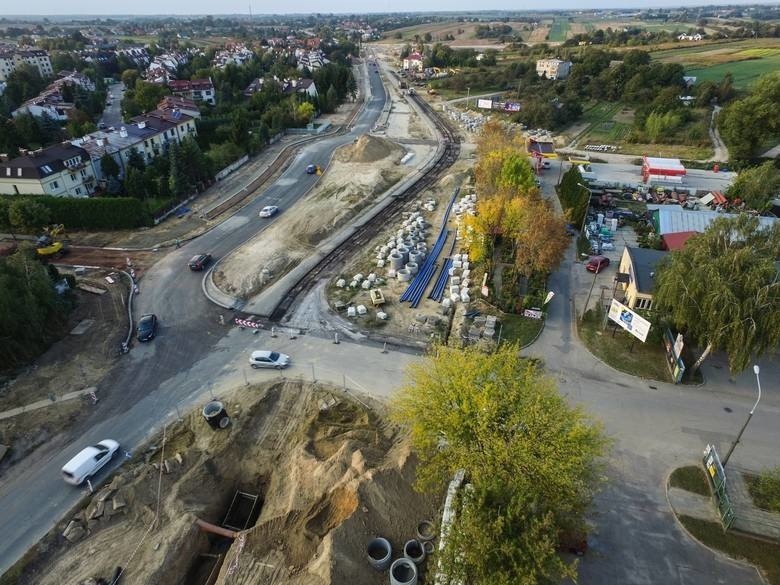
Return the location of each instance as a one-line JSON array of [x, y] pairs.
[[426, 531], [414, 551], [416, 256], [403, 572], [412, 267], [428, 546], [422, 246], [215, 414], [404, 252], [396, 261], [379, 552], [403, 275]]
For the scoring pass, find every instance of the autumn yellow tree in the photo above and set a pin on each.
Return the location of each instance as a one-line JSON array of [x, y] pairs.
[[532, 462], [541, 240]]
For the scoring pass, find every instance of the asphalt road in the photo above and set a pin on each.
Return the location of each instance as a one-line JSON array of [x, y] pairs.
[[112, 115], [155, 378]]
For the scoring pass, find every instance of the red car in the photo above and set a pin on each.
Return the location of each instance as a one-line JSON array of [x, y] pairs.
[[597, 264]]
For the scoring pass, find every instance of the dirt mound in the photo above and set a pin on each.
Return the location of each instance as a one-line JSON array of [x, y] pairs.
[[368, 149], [328, 479]]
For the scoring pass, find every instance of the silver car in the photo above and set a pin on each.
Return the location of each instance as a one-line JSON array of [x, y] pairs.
[[269, 359]]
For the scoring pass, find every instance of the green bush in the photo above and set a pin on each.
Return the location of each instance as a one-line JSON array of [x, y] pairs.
[[105, 213]]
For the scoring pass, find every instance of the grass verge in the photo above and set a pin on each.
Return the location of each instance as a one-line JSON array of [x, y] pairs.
[[764, 489], [690, 478], [622, 351], [514, 328], [764, 554]]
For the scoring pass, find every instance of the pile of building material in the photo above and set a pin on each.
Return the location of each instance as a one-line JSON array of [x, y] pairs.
[[483, 327]]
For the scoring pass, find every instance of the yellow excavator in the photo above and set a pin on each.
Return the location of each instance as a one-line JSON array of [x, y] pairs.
[[50, 243]]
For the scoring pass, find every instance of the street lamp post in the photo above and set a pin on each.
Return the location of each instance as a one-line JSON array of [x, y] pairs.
[[756, 371], [468, 97]]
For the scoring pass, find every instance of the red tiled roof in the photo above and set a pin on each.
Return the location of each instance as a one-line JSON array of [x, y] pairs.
[[676, 240]]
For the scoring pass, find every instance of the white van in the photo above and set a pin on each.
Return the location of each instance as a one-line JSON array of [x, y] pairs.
[[89, 461]]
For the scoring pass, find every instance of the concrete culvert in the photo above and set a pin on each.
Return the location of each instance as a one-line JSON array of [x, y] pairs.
[[379, 553], [426, 531], [428, 547], [215, 414], [403, 572], [414, 551]]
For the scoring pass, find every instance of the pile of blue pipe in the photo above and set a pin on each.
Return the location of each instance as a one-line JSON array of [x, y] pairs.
[[417, 287], [441, 282]]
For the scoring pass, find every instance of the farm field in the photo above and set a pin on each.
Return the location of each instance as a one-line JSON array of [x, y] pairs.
[[559, 30], [746, 60], [463, 33]]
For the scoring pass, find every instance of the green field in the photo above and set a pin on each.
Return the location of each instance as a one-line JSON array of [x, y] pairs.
[[744, 72], [559, 30], [747, 60]]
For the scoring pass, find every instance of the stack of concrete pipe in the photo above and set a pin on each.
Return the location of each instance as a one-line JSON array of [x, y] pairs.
[[407, 569]]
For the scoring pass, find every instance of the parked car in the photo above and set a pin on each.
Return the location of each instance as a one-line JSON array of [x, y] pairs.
[[89, 461], [268, 211], [269, 359], [597, 263], [147, 327], [199, 262], [546, 164], [102, 126], [311, 169]]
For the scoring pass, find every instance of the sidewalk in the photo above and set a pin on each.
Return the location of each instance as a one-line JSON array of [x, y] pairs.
[[685, 503]]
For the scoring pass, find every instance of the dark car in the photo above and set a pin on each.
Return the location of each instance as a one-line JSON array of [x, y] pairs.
[[199, 262], [597, 263], [311, 169], [147, 327]]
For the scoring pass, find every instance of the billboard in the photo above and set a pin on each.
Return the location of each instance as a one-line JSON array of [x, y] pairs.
[[628, 320], [485, 104]]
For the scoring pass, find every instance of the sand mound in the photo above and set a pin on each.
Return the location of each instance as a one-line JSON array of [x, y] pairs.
[[368, 149], [329, 480]]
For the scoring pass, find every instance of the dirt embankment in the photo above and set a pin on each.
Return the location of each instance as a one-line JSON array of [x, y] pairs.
[[330, 475], [360, 173]]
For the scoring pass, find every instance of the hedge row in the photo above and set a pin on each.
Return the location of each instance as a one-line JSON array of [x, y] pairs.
[[102, 213]]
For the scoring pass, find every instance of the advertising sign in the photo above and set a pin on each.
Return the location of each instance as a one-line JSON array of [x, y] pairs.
[[511, 107], [533, 313], [628, 320], [485, 104], [549, 297]]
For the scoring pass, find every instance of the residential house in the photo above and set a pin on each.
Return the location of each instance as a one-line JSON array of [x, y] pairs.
[[553, 68], [302, 87], [413, 62], [693, 37], [150, 135], [310, 60], [641, 265], [137, 55], [10, 59], [63, 170], [198, 90], [50, 102], [173, 102], [237, 54]]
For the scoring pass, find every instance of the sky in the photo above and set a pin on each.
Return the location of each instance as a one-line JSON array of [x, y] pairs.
[[198, 7]]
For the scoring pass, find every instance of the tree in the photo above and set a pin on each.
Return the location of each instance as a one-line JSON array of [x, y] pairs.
[[574, 198], [304, 113], [27, 213], [482, 230], [756, 186], [129, 78], [529, 457], [745, 124], [722, 289], [109, 166], [540, 237]]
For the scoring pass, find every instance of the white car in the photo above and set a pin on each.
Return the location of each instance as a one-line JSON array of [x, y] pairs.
[[546, 164], [268, 211], [269, 359], [89, 461]]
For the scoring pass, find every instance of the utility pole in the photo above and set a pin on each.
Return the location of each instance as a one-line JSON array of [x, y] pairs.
[[756, 371]]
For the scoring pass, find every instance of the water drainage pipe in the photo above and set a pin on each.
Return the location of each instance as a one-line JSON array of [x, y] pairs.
[[379, 552], [214, 529]]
